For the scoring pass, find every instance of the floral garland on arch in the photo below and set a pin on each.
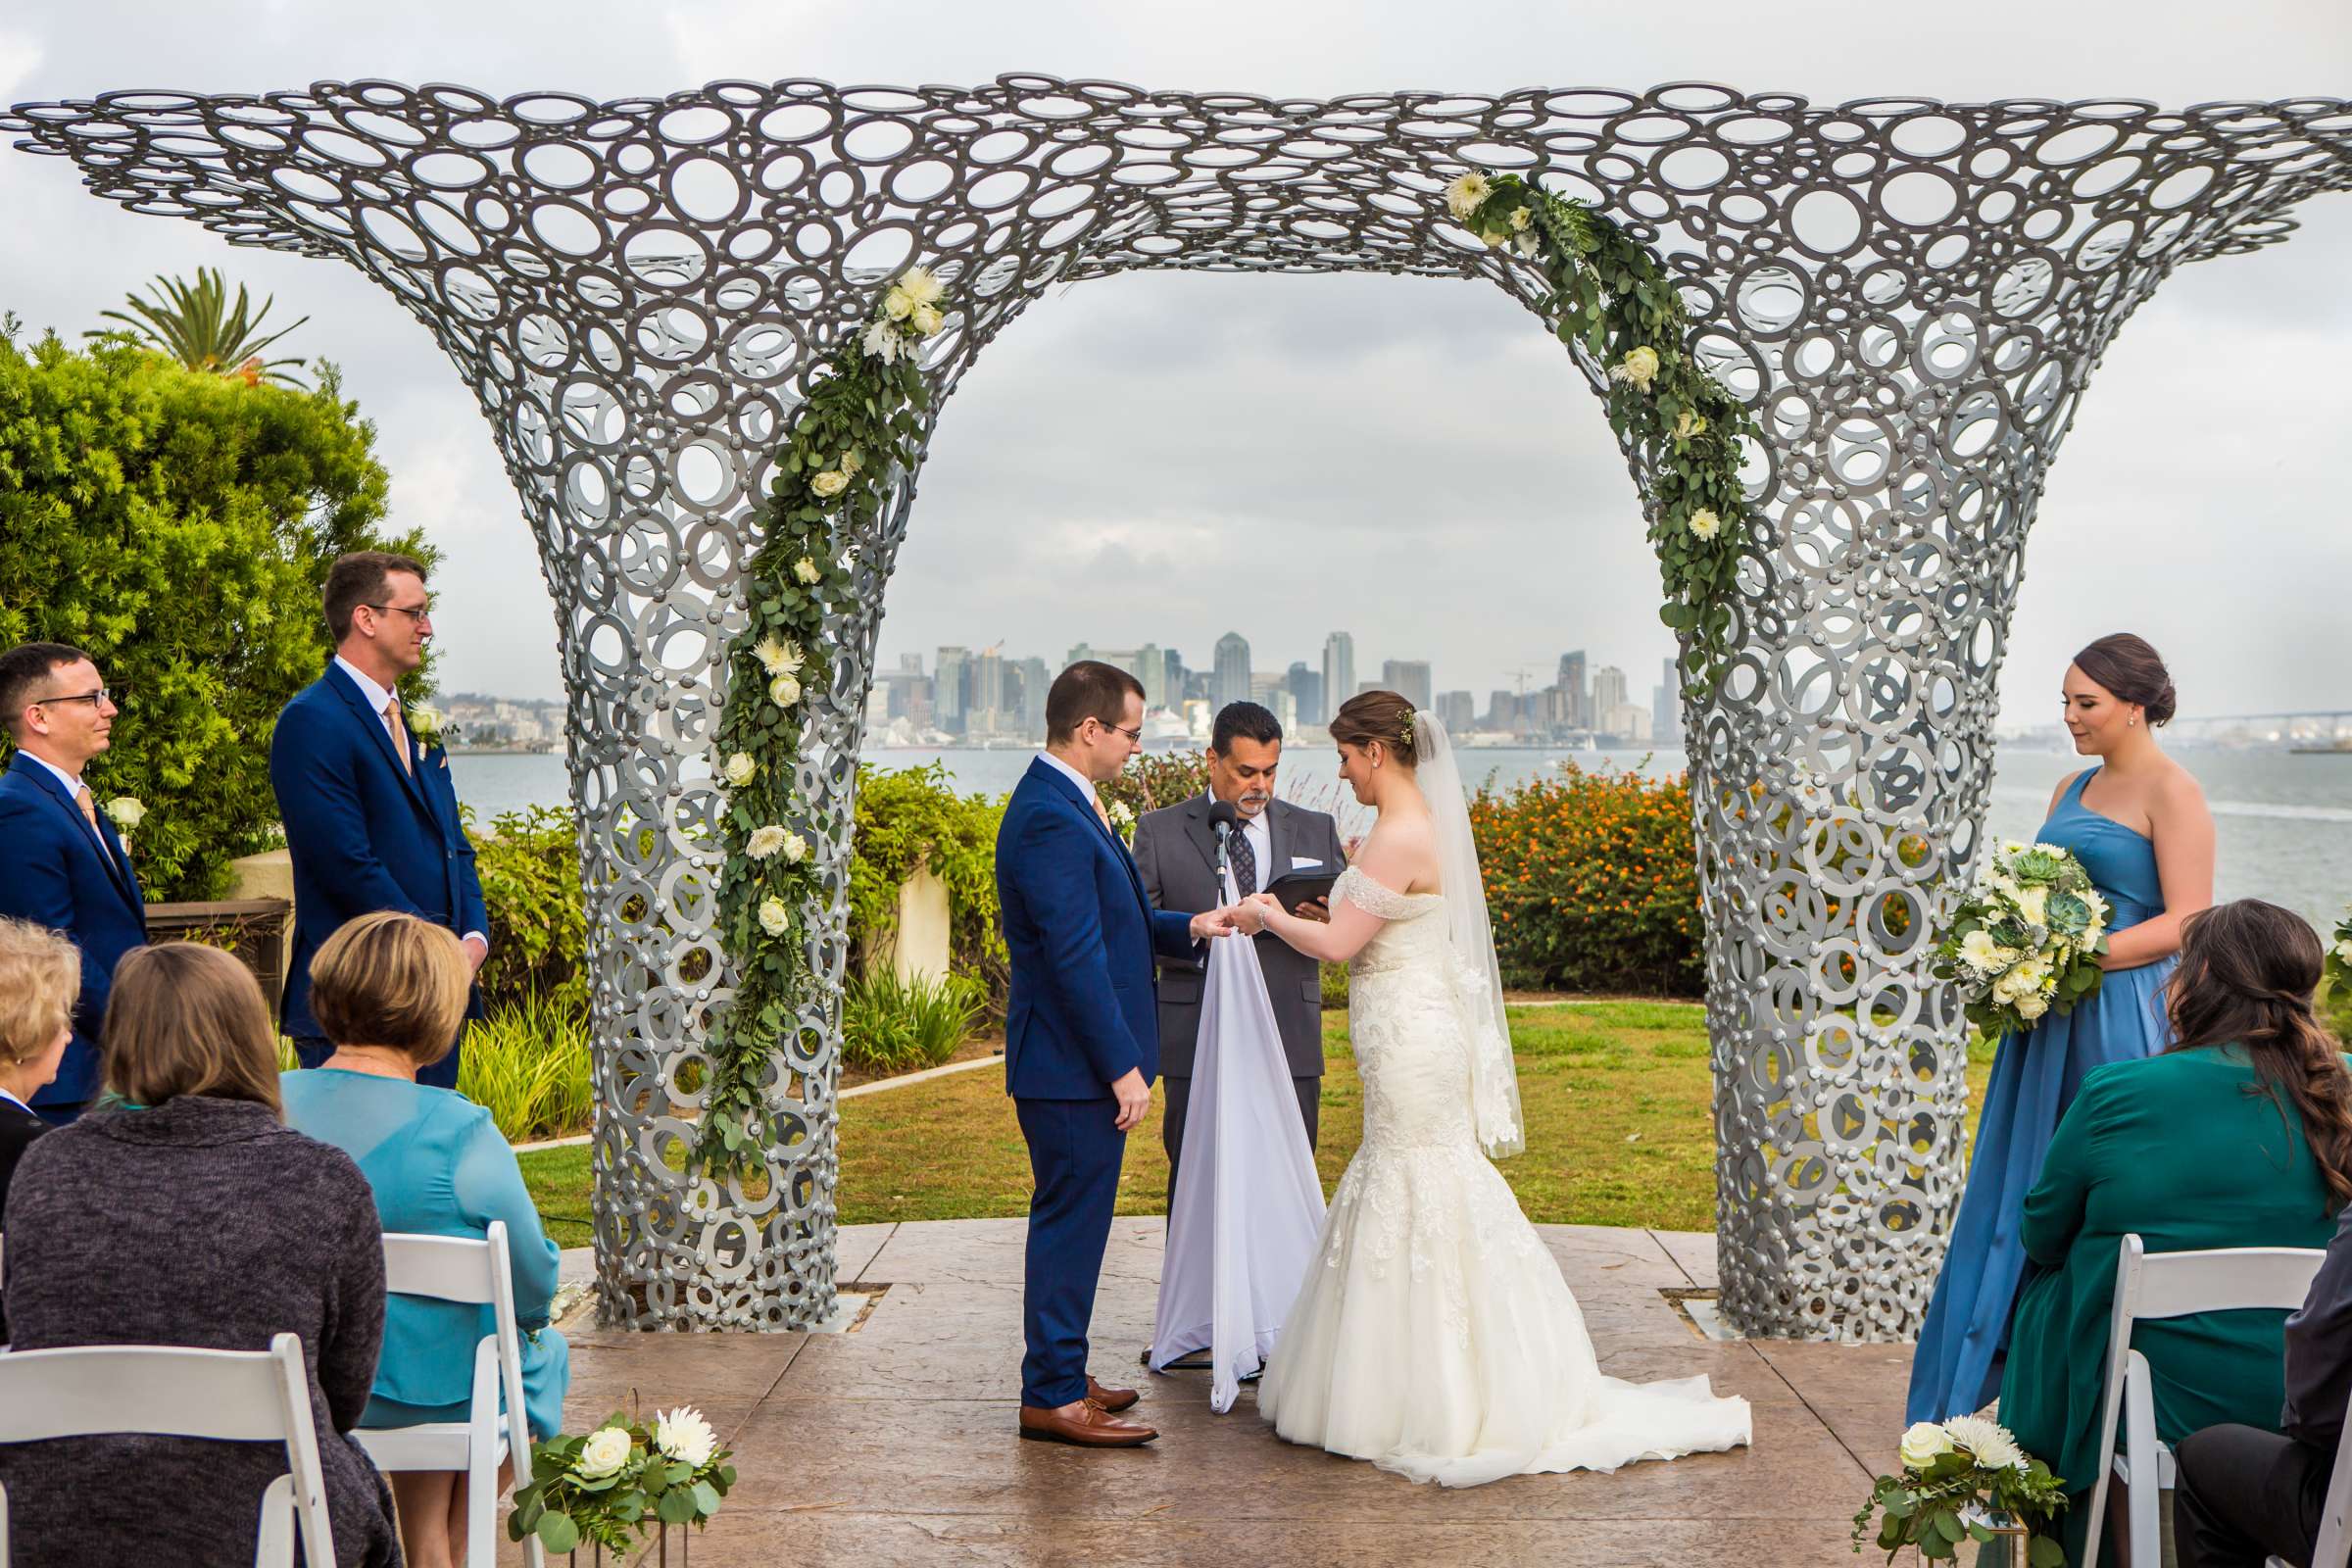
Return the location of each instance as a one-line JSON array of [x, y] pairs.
[[859, 422], [1680, 424]]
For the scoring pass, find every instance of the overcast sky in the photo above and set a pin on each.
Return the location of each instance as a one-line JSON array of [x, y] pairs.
[[1165, 457]]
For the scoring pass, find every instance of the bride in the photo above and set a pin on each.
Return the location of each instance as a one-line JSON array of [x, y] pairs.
[[1433, 1334]]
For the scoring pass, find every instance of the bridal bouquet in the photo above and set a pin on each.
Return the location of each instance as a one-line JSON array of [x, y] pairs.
[[2028, 938], [1965, 1479]]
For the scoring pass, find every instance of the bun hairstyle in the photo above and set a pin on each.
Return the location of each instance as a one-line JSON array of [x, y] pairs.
[[1382, 716], [2131, 668], [2246, 977]]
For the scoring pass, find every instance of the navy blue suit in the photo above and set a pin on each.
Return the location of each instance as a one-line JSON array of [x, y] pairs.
[[365, 834], [53, 873], [1081, 936]]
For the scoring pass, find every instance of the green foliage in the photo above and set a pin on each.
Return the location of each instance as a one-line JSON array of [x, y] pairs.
[[912, 818], [890, 1025], [1937, 1506], [529, 866], [527, 1064], [1591, 882], [1156, 779], [199, 328], [178, 527], [616, 1508]]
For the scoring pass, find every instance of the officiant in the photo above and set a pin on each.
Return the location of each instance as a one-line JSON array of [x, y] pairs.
[[1176, 849]]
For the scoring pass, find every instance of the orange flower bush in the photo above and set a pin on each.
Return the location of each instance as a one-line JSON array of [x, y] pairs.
[[1592, 883]]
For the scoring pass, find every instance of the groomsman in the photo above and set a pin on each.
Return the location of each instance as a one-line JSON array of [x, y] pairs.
[[61, 864], [372, 815], [1176, 849]]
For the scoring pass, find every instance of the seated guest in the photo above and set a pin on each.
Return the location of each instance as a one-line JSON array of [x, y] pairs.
[[41, 972], [390, 991], [183, 1211], [2239, 1134], [2246, 1492]]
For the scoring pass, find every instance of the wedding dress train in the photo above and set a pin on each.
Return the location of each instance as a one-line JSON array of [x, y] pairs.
[[1433, 1334]]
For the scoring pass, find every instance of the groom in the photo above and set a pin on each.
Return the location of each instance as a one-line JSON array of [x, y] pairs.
[[1081, 1042]]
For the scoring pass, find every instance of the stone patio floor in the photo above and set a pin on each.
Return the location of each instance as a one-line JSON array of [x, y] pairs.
[[894, 1443]]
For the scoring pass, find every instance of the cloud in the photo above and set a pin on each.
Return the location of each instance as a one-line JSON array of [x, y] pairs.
[[20, 57]]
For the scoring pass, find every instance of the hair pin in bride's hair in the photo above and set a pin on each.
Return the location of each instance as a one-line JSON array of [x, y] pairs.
[[1406, 733]]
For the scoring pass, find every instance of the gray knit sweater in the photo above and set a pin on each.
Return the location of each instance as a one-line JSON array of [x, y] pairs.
[[202, 1222]]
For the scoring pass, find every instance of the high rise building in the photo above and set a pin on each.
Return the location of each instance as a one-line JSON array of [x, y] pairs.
[[950, 687], [1408, 678], [987, 694], [1232, 682], [1339, 671], [1458, 712], [1306, 689], [1608, 695], [1666, 709], [1150, 667], [1035, 681], [1572, 681], [1503, 712], [1173, 677]]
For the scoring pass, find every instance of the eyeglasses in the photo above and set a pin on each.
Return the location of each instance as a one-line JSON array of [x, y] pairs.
[[1135, 735], [419, 614], [97, 699]]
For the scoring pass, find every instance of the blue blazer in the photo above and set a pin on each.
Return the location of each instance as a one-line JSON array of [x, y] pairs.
[[52, 873], [1081, 935], [364, 833]]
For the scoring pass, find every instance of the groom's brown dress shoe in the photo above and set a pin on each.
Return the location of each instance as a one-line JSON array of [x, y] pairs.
[[1083, 1424], [1110, 1399]]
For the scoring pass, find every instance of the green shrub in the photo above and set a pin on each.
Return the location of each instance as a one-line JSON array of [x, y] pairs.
[[914, 817], [890, 1025], [527, 1064], [1157, 779], [1591, 882], [529, 864], [178, 525]]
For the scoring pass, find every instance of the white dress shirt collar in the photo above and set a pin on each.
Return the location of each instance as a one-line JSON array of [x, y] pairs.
[[71, 781], [377, 697], [1085, 786]]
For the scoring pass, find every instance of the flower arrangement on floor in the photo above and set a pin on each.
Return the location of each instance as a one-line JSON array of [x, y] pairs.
[[2027, 939], [1965, 1479], [611, 1484], [859, 424], [1679, 425]]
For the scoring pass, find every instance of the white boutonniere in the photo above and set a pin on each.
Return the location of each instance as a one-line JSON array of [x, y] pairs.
[[126, 812], [429, 725]]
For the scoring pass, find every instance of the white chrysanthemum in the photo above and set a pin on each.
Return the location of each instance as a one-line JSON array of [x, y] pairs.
[[764, 842], [126, 812], [1922, 1445], [740, 769], [683, 1434], [829, 483], [1520, 218], [795, 847], [922, 286], [2035, 905], [1704, 525], [1982, 954], [1638, 368], [774, 918], [807, 570], [1989, 1442], [784, 690], [781, 655], [604, 1453], [1467, 194]]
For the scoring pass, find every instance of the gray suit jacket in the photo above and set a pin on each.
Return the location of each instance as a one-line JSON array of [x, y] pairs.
[[1177, 853]]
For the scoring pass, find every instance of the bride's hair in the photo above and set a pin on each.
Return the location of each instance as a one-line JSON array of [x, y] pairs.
[[1382, 716]]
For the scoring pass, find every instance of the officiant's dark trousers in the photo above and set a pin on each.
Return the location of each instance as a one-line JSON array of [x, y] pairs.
[[1075, 1148]]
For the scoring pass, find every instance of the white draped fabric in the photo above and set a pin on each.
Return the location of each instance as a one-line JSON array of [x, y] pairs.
[[1248, 1205]]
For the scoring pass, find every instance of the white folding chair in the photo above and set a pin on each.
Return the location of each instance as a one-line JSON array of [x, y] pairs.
[[168, 1391], [2159, 1284], [451, 1268]]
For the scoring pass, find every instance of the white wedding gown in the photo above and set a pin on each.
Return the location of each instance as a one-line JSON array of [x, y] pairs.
[[1433, 1334]]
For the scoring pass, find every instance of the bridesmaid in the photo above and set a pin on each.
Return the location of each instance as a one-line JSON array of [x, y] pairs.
[[2139, 825]]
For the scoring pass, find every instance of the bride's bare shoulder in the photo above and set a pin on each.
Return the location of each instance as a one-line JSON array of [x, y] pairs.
[[1401, 854]]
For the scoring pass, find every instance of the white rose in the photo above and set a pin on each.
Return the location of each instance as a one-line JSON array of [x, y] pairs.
[[1687, 425], [784, 690], [774, 918], [922, 286], [764, 842], [605, 1453], [1467, 194], [2343, 949], [830, 483], [927, 320], [897, 305], [795, 847], [1639, 368], [2031, 1006], [426, 723], [1922, 1445], [126, 812], [683, 1434], [740, 768], [805, 569], [1704, 525]]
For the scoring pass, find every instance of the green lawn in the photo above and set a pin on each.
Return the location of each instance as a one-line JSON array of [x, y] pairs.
[[1617, 1097]]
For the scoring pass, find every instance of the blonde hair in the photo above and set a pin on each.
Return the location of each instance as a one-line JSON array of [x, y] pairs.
[[391, 979], [186, 1019], [40, 980]]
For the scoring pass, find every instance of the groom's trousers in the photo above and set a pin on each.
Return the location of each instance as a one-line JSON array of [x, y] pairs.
[[1075, 1149]]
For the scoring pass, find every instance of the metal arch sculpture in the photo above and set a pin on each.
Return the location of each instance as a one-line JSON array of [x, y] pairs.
[[1912, 296]]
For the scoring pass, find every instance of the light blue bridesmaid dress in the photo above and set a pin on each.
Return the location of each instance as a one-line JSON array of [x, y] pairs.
[[1954, 1369]]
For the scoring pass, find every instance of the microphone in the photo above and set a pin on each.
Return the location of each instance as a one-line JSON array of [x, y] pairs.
[[1221, 817]]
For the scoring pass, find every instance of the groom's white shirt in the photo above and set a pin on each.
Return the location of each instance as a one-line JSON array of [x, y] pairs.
[[378, 699], [1085, 786]]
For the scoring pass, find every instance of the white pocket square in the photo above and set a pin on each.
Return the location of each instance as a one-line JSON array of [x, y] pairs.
[[1299, 863]]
